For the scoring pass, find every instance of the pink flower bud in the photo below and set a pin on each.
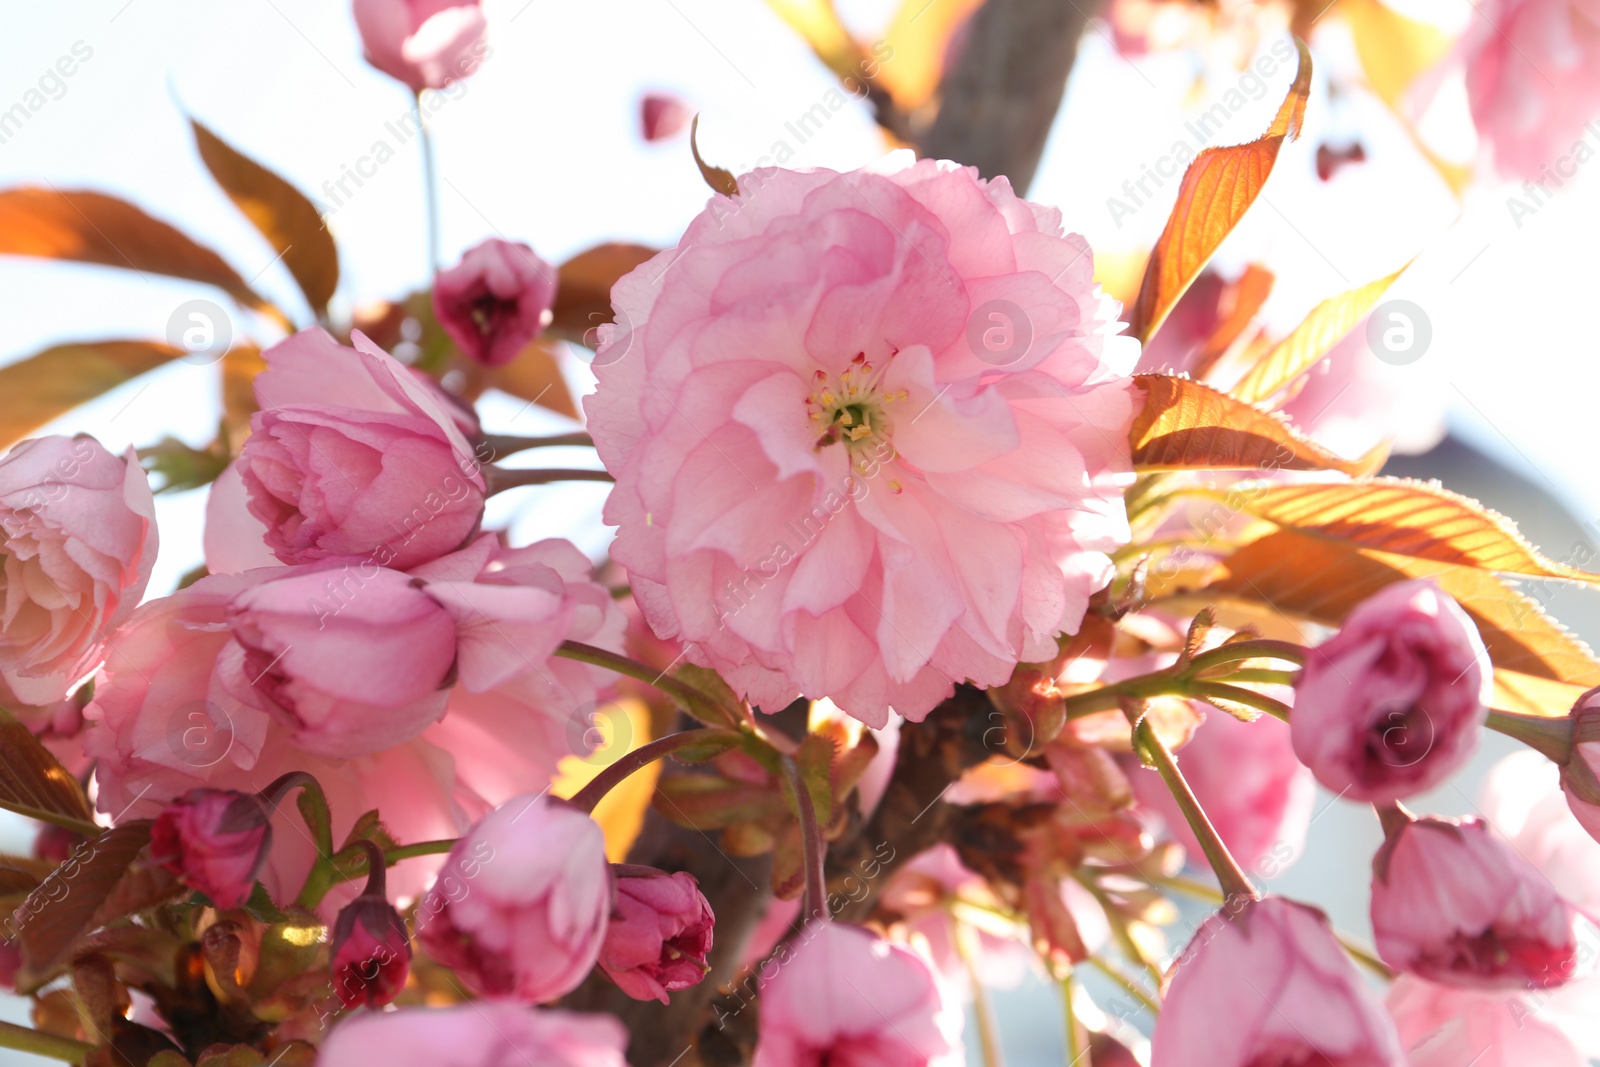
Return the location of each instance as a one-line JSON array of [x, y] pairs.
[[216, 840], [520, 907], [495, 300], [1580, 775], [352, 661], [1270, 985], [427, 44], [1454, 904], [370, 954], [837, 994], [485, 1033], [351, 457], [1392, 704], [662, 115], [659, 934]]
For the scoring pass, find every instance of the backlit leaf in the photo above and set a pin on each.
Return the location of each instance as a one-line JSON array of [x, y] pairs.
[[1402, 517], [1324, 327], [1245, 299], [33, 782], [284, 216], [918, 39], [1540, 668], [1217, 189], [89, 227], [583, 296], [37, 389], [535, 375], [1393, 49], [1186, 425]]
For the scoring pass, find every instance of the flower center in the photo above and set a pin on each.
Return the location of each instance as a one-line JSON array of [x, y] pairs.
[[851, 408]]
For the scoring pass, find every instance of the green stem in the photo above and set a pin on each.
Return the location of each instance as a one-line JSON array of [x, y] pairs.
[[1126, 984], [1234, 651], [505, 444], [1553, 737], [982, 1007], [1248, 697], [430, 187], [1077, 1037], [25, 1039], [646, 754], [1234, 881], [1263, 676], [816, 849], [500, 479], [66, 822], [699, 704]]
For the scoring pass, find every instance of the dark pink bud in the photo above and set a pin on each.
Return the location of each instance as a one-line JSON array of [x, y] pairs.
[[371, 954], [495, 300], [215, 840], [659, 935]]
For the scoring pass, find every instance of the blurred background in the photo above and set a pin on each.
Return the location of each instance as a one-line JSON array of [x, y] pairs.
[[544, 145]]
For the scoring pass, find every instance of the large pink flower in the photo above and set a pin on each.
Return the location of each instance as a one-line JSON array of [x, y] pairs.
[[1533, 80], [1445, 1027], [77, 541], [486, 1033], [165, 718], [427, 44], [351, 457], [869, 434]]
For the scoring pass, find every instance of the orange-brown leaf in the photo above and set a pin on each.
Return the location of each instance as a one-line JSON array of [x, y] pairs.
[[90, 227], [33, 782], [1404, 518], [583, 296], [1245, 299], [1187, 425], [535, 375], [1322, 580], [1323, 328], [1217, 189], [239, 369], [37, 389], [283, 215]]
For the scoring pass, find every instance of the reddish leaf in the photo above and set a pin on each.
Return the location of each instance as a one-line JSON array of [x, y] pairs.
[[90, 227], [1218, 188], [33, 782], [721, 181], [583, 297], [290, 222], [37, 389]]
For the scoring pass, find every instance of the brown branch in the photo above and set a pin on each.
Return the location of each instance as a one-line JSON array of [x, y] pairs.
[[999, 100]]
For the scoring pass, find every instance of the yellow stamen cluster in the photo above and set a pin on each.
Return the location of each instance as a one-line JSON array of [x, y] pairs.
[[850, 408]]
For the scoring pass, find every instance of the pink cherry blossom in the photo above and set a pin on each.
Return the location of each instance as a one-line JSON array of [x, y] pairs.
[[1394, 703], [1270, 986], [165, 718], [1442, 1026], [1580, 775], [351, 661], [77, 541], [519, 909], [1256, 793], [427, 44], [495, 300], [1455, 904], [841, 995], [869, 434], [1533, 81], [659, 933], [351, 457], [485, 1033], [216, 840]]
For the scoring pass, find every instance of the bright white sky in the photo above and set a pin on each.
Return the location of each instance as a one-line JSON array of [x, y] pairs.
[[542, 146]]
